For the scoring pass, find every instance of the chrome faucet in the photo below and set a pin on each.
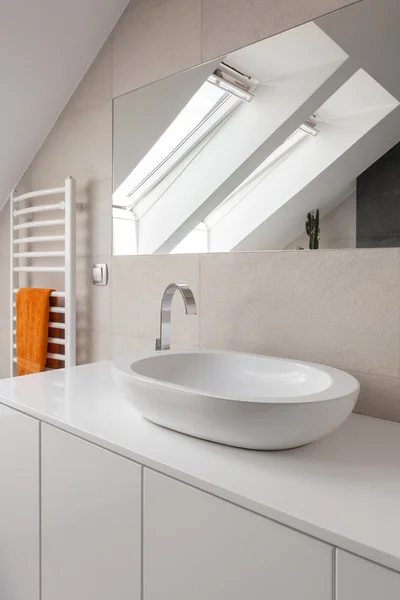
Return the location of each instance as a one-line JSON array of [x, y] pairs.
[[164, 341]]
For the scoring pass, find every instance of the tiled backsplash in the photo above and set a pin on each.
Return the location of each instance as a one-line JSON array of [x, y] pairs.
[[137, 289], [4, 292], [321, 306]]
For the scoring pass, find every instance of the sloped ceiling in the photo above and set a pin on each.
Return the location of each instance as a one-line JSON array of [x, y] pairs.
[[46, 46]]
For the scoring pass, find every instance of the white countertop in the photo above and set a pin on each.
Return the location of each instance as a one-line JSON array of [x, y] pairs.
[[344, 489]]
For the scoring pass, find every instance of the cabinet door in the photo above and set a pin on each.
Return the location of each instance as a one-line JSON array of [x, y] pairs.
[[359, 579], [199, 547], [19, 506], [91, 521]]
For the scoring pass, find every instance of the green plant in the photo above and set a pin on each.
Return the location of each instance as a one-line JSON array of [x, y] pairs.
[[313, 229]]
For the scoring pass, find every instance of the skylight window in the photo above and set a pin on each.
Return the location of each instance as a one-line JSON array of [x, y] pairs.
[[206, 109]]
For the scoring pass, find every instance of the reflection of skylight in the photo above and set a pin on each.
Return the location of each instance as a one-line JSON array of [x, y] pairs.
[[198, 239], [256, 177], [204, 111], [195, 242]]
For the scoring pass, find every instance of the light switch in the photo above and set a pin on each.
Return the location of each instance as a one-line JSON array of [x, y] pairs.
[[100, 274]]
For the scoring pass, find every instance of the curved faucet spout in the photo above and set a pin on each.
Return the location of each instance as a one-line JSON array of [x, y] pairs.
[[164, 341]]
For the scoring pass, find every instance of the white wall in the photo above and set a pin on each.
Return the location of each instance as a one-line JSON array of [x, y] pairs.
[[338, 227]]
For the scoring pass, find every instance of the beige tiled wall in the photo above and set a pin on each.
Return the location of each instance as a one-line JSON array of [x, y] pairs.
[[337, 307], [228, 24], [154, 39], [4, 292], [136, 297], [320, 306]]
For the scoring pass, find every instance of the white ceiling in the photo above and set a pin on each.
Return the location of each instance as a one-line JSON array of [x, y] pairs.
[[46, 46]]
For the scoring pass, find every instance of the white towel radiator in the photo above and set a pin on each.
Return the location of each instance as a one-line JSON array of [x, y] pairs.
[[21, 220]]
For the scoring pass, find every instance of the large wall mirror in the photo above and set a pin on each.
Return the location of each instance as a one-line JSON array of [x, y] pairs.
[[240, 153]]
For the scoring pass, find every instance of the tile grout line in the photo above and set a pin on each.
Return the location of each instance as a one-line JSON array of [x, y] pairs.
[[201, 31], [200, 298], [398, 316], [334, 590], [142, 536], [395, 377], [111, 284]]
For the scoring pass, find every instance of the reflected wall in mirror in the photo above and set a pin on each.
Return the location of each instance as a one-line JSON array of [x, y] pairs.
[[233, 154]]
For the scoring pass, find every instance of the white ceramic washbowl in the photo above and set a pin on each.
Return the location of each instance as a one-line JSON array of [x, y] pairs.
[[243, 400]]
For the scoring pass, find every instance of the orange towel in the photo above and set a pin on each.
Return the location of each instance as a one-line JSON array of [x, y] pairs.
[[32, 329]]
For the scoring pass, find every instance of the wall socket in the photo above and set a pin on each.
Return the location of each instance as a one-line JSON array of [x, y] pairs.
[[100, 274]]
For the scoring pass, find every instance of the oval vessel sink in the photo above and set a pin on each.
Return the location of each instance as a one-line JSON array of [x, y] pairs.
[[244, 400]]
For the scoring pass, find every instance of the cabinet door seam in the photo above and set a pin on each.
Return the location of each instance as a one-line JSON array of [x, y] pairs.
[[142, 535], [40, 513], [334, 587]]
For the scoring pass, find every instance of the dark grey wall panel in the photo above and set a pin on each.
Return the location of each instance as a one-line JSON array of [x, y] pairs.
[[378, 203]]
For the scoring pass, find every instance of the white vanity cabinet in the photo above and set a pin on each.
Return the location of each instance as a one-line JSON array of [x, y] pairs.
[[360, 579], [80, 519], [91, 521], [19, 506], [198, 547]]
